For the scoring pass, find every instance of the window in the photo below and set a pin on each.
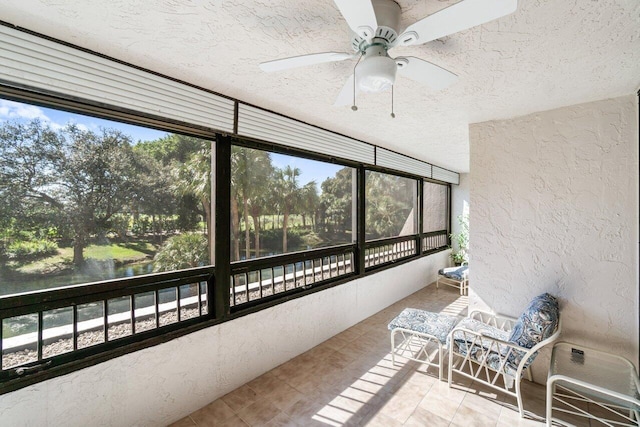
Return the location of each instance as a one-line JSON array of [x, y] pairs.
[[284, 204], [84, 200], [435, 207], [93, 202], [435, 216], [390, 214], [390, 205]]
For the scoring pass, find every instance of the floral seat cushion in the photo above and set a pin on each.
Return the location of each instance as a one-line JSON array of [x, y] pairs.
[[455, 273], [538, 322], [426, 322]]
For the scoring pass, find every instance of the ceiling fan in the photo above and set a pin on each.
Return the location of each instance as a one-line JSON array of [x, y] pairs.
[[375, 24]]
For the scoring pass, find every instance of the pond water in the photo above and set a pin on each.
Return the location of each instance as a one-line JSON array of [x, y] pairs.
[[93, 272]]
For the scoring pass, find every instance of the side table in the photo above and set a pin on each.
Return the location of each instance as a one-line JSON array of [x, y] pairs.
[[605, 381]]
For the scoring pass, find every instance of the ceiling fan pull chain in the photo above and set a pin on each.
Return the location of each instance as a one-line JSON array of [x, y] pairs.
[[354, 107], [393, 115]]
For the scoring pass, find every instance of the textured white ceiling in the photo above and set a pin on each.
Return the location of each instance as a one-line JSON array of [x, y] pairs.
[[546, 55]]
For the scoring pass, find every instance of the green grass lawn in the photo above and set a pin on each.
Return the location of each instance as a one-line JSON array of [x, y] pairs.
[[121, 252]]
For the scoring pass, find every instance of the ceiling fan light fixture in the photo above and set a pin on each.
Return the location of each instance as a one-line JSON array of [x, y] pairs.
[[376, 74]]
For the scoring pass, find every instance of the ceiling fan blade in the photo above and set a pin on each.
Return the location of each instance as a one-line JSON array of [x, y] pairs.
[[302, 60], [424, 72], [457, 17], [345, 97], [360, 16]]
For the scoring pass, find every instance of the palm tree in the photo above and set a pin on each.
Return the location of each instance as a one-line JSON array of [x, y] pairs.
[[250, 171], [309, 202], [193, 177], [256, 207], [288, 189]]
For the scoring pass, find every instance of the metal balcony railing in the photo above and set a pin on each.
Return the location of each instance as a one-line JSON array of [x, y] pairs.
[[65, 324], [434, 241], [386, 251], [258, 279]]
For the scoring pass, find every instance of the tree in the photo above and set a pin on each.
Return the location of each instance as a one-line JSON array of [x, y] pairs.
[[86, 177], [173, 152], [183, 251], [309, 202], [289, 194], [193, 177], [337, 200], [250, 172], [389, 203], [153, 195]]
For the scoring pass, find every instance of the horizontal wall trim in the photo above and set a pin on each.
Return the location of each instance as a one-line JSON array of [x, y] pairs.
[[41, 63], [445, 175], [262, 124], [391, 159]]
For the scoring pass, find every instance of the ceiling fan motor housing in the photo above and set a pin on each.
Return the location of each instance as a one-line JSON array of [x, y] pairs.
[[388, 19]]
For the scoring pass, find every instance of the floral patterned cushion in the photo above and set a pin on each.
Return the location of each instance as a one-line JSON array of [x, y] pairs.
[[538, 322], [456, 273], [426, 322]]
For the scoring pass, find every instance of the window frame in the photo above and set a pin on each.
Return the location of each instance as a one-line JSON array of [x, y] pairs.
[[219, 309]]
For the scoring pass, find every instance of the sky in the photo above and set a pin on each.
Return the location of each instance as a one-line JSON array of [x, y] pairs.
[[57, 119]]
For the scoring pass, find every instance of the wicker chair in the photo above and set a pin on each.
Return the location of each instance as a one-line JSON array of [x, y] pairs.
[[458, 277], [496, 350]]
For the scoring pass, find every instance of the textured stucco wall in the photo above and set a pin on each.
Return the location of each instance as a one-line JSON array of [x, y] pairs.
[[554, 208], [159, 385]]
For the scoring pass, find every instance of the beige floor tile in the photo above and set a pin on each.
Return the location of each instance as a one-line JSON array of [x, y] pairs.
[[422, 418], [482, 402], [380, 420], [511, 417], [466, 416], [350, 380], [234, 421], [216, 412], [422, 380], [185, 422], [304, 409], [442, 400], [335, 343], [401, 403], [239, 398], [349, 335], [318, 353], [259, 413], [281, 420], [336, 415], [283, 396], [264, 383]]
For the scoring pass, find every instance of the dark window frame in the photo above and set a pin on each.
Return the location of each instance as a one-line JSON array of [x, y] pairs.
[[217, 278]]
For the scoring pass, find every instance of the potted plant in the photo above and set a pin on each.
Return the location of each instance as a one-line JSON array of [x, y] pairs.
[[460, 255]]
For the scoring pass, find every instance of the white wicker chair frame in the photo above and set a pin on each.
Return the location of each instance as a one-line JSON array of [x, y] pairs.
[[478, 369], [463, 284], [414, 347]]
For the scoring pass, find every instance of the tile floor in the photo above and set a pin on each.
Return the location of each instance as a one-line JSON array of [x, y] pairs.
[[349, 380]]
